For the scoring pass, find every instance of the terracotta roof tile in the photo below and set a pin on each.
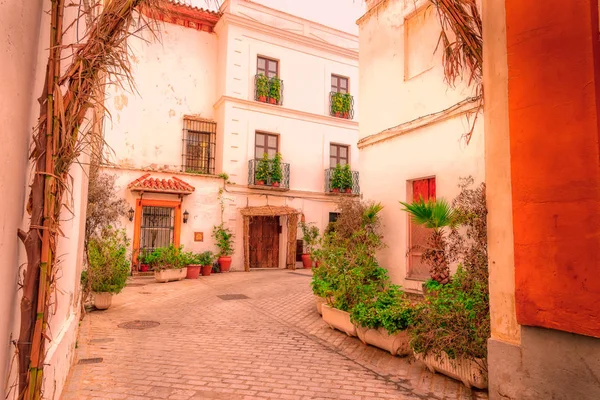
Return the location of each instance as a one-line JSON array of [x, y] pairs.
[[146, 183]]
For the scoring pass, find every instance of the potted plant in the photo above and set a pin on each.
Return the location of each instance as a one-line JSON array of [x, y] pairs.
[[169, 263], [276, 173], [346, 105], [310, 236], [337, 104], [108, 266], [224, 241], [206, 259], [274, 90], [383, 320], [262, 88], [346, 179], [263, 170], [193, 266], [144, 260], [337, 179], [451, 329]]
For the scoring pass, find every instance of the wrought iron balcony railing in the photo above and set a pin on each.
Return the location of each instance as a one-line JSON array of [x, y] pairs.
[[260, 168], [268, 90], [341, 105], [355, 189]]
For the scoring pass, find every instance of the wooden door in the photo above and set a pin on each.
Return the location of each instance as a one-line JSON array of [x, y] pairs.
[[264, 242]]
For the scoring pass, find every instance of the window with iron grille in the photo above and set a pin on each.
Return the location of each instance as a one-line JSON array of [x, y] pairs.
[[199, 137], [418, 234], [339, 84]]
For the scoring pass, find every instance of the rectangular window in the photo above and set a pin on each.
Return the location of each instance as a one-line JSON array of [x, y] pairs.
[[199, 145], [418, 235], [338, 154], [267, 66], [339, 84], [265, 143], [333, 216]]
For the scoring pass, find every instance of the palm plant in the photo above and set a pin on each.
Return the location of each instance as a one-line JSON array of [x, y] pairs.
[[435, 215]]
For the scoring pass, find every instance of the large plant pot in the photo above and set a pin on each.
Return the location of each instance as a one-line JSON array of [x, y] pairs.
[[144, 267], [338, 319], [224, 263], [206, 270], [102, 300], [396, 344], [319, 302], [306, 261], [193, 271], [168, 275], [466, 371]]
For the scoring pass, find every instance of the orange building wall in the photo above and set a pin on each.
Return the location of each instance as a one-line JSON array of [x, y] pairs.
[[553, 89]]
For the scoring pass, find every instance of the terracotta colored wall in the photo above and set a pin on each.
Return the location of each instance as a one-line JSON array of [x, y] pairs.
[[553, 108]]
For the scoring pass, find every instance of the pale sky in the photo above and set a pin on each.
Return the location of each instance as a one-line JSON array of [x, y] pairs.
[[338, 14]]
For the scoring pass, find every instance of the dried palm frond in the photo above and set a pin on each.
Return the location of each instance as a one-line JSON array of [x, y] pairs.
[[60, 138]]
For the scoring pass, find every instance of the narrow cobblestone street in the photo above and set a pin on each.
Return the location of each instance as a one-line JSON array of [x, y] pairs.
[[271, 345]]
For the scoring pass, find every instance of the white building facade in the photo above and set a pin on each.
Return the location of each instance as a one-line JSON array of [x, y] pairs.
[[412, 126], [197, 115]]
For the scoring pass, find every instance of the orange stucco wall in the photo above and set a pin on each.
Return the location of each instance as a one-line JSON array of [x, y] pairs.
[[553, 89]]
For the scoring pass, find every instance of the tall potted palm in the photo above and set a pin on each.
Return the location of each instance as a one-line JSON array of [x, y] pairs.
[[436, 215], [263, 170], [224, 241]]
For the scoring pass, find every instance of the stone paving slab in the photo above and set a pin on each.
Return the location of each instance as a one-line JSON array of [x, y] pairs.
[[272, 345]]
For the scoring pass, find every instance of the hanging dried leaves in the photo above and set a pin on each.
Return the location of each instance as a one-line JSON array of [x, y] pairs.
[[60, 138]]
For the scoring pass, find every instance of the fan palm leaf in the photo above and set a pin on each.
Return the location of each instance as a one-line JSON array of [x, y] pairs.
[[433, 214], [371, 212]]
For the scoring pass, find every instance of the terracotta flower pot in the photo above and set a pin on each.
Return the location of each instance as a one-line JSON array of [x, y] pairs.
[[338, 319], [168, 275], [272, 100], [260, 183], [306, 261], [144, 267], [102, 300], [338, 114], [225, 263], [349, 190], [335, 190], [467, 371], [206, 270], [262, 99], [275, 184], [346, 115], [396, 344], [319, 301], [193, 271]]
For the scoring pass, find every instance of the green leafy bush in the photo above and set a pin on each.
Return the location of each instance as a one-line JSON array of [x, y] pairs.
[[262, 86], [204, 258], [170, 257], [108, 262], [389, 309], [454, 319], [224, 240], [346, 178], [263, 169], [337, 177], [276, 172], [275, 88], [310, 236]]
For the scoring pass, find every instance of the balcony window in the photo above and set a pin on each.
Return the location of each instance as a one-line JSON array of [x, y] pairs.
[[348, 183], [198, 152], [341, 103], [338, 154], [268, 87]]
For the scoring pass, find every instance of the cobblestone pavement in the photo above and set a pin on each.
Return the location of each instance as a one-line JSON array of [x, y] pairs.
[[272, 345]]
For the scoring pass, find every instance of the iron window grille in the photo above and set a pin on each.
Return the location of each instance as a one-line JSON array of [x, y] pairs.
[[259, 82], [285, 174], [198, 150], [329, 175], [341, 105]]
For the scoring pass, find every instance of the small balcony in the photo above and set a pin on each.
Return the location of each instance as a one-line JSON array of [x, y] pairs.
[[341, 105], [268, 90], [262, 175], [343, 185]]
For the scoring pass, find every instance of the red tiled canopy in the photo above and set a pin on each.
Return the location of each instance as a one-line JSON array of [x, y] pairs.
[[174, 185]]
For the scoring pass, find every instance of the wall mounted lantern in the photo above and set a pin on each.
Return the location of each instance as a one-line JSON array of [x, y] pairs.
[[130, 213], [186, 215]]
